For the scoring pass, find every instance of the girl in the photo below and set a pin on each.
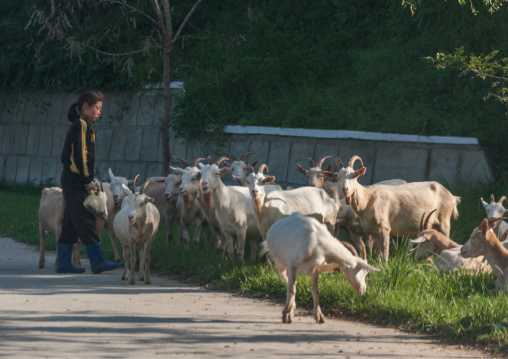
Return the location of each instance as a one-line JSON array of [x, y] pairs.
[[78, 159]]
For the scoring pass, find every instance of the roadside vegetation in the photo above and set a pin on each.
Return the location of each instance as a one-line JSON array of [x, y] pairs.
[[406, 294]]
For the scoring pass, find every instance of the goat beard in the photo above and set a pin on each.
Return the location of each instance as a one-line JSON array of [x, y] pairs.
[[187, 200], [258, 204], [348, 200], [207, 199]]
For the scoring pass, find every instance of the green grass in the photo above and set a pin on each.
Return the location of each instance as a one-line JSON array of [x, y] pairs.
[[405, 293]]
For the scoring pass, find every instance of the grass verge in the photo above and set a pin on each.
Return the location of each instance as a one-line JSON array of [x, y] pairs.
[[405, 293]]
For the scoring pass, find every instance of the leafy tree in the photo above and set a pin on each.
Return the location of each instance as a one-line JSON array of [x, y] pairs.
[[154, 24], [490, 67]]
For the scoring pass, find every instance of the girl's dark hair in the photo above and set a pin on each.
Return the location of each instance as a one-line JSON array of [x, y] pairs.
[[89, 97]]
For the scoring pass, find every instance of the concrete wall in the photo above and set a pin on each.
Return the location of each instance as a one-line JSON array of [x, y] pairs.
[[33, 128]]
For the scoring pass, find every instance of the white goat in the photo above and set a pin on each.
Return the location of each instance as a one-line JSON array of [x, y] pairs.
[[299, 244], [483, 241], [189, 205], [447, 252], [238, 166], [118, 192], [50, 214], [233, 209], [396, 210], [496, 210], [272, 205], [136, 225]]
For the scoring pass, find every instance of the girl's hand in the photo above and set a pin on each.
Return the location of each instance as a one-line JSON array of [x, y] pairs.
[[89, 187]]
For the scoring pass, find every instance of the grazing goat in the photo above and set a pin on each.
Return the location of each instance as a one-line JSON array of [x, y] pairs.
[[483, 241], [299, 244], [136, 225], [396, 210], [50, 214], [233, 209], [447, 252], [272, 205]]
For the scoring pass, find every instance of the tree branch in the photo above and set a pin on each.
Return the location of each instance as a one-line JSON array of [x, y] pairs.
[[182, 25]]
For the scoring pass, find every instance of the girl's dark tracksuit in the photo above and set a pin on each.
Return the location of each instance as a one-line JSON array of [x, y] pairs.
[[78, 159]]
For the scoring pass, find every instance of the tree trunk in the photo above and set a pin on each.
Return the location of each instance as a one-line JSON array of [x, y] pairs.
[[165, 127]]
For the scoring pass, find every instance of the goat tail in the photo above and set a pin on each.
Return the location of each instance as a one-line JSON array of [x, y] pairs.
[[455, 210], [264, 249]]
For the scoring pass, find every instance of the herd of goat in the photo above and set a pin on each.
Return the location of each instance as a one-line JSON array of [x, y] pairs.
[[297, 228]]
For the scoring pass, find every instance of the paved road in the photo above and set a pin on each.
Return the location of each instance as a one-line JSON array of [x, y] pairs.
[[44, 314]]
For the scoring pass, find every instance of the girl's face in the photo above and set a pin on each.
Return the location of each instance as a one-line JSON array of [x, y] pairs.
[[91, 113]]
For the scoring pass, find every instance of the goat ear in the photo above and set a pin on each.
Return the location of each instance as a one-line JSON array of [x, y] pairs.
[[301, 170], [367, 266], [224, 170], [125, 188], [149, 199], [331, 174], [329, 168], [360, 172], [226, 164], [253, 164], [485, 204], [177, 170], [269, 179]]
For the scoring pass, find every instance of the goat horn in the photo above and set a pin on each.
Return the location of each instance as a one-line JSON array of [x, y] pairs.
[[426, 224], [503, 198], [338, 162], [353, 160], [208, 158], [187, 164], [503, 238], [262, 167], [102, 186], [350, 247], [492, 220], [311, 162], [492, 198], [320, 162], [244, 156], [136, 180], [230, 155], [421, 222], [197, 160], [142, 190], [251, 169], [220, 160]]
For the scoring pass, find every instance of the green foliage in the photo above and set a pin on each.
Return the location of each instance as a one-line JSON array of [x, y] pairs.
[[356, 65], [405, 293]]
